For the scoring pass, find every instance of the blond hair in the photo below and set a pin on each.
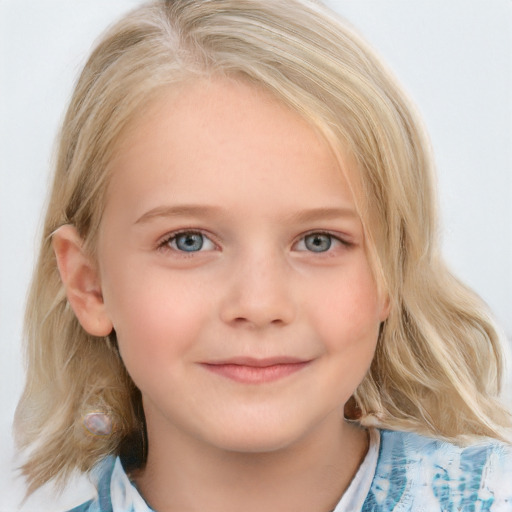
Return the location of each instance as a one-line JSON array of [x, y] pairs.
[[438, 365]]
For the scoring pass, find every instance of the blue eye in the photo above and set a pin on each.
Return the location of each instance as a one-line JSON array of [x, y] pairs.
[[318, 242], [190, 241]]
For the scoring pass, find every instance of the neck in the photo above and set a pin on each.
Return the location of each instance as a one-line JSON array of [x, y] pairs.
[[311, 476]]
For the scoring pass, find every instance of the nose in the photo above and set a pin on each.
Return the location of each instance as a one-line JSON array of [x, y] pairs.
[[259, 293]]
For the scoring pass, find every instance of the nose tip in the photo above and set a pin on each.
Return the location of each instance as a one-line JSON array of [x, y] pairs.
[[258, 298], [257, 311]]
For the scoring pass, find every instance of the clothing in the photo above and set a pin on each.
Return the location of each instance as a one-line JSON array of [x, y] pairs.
[[401, 472]]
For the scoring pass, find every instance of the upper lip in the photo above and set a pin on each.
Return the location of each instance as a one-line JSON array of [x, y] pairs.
[[258, 362]]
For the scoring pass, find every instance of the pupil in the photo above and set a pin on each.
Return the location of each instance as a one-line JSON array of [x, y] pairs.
[[318, 243], [189, 242]]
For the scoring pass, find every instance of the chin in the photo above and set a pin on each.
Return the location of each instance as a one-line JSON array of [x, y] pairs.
[[255, 437], [256, 445]]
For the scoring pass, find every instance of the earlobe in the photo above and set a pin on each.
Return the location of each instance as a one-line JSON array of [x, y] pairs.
[[81, 281]]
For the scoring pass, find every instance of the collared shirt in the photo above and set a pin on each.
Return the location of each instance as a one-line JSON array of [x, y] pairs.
[[401, 472]]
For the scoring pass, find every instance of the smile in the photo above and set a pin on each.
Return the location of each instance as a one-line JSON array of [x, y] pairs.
[[256, 371]]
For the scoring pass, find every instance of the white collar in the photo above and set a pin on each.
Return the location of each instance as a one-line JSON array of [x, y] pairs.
[[357, 492]]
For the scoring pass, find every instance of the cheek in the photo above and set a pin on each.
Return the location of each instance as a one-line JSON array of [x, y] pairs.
[[348, 311], [155, 317], [351, 331]]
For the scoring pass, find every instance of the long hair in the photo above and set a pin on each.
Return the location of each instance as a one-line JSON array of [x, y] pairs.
[[438, 365]]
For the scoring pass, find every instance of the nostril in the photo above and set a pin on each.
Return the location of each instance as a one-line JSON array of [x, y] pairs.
[[255, 322]]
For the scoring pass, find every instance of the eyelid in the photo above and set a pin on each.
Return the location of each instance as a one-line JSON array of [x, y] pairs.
[[163, 242], [344, 240]]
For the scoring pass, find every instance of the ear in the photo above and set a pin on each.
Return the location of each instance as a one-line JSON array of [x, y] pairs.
[[385, 307], [81, 281]]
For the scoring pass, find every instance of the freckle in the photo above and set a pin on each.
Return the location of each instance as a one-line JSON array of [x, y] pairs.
[[98, 423]]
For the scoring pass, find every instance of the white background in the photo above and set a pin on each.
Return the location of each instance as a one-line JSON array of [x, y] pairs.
[[453, 56]]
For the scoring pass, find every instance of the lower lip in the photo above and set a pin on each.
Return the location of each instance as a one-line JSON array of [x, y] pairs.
[[256, 374]]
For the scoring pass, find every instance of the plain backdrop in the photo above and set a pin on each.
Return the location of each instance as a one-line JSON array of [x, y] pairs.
[[454, 57]]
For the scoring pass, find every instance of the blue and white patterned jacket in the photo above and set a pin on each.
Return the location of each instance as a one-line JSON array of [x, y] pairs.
[[402, 472]]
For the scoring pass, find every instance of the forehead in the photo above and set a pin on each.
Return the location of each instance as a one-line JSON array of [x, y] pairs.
[[218, 135], [197, 105]]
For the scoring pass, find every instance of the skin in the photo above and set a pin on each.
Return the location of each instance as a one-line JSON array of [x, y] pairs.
[[252, 181]]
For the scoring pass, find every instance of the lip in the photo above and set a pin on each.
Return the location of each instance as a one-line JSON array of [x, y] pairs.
[[248, 370]]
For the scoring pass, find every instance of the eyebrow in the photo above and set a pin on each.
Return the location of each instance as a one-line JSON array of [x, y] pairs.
[[178, 211], [326, 213], [307, 215]]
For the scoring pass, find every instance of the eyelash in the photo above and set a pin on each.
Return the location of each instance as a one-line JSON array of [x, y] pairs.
[[164, 244], [333, 238]]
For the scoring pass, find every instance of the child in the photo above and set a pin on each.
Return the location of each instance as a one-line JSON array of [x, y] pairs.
[[239, 302]]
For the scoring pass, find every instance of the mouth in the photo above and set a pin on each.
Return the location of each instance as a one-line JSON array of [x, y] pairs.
[[256, 371]]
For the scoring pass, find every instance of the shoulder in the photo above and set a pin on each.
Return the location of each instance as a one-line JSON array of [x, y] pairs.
[[84, 507], [115, 491], [102, 475], [416, 472]]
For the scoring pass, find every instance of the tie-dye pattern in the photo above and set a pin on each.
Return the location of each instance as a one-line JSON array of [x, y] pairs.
[[416, 473], [413, 474]]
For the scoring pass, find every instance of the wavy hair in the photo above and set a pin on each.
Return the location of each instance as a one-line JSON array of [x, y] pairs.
[[438, 365]]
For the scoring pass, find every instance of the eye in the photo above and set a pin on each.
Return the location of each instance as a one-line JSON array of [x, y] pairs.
[[317, 242], [189, 241]]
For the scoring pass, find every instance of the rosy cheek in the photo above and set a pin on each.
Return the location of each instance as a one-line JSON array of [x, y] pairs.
[[349, 316], [158, 320]]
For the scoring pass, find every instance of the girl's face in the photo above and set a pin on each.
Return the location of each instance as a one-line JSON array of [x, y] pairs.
[[233, 269]]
